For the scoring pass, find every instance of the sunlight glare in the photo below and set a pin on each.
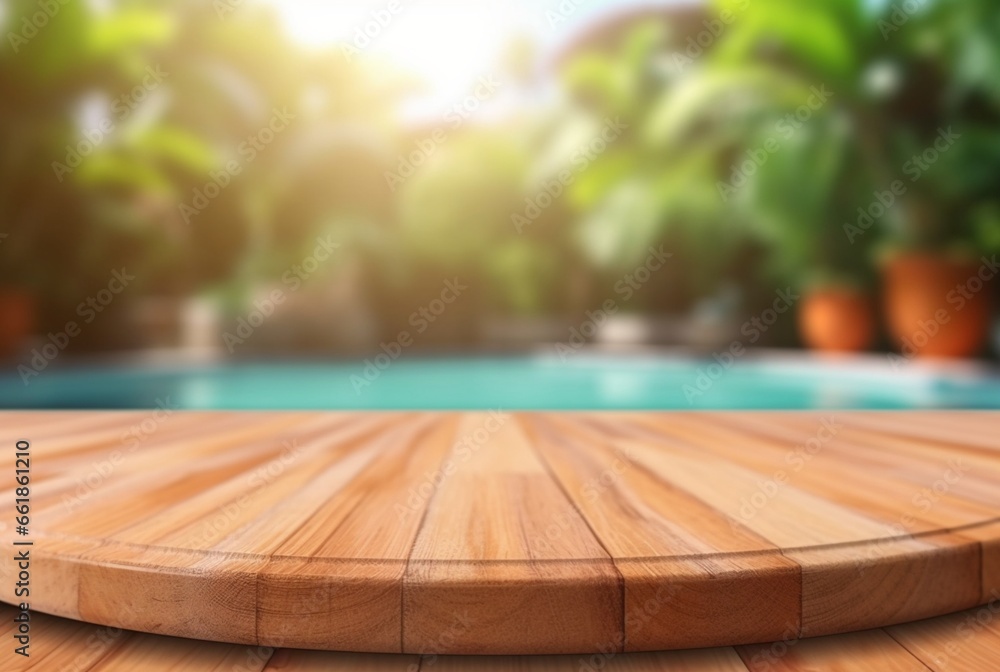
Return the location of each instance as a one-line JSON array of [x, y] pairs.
[[449, 45]]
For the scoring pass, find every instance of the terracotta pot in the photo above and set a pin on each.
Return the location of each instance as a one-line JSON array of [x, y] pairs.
[[17, 320], [837, 320], [937, 306]]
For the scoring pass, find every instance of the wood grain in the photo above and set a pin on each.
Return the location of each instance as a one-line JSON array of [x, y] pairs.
[[496, 533], [485, 576], [966, 642]]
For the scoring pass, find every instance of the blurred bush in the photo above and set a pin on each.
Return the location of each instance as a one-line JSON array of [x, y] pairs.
[[744, 137]]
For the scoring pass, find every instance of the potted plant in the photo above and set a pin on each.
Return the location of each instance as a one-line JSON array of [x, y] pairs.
[[938, 297], [18, 304], [796, 203], [830, 127], [837, 319], [769, 134], [938, 264]]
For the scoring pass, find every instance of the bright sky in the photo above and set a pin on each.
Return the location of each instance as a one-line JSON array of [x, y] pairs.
[[449, 43]]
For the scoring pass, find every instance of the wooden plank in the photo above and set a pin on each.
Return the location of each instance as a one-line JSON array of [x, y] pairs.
[[867, 651], [220, 565], [58, 644], [356, 545], [865, 567], [286, 660], [487, 576], [696, 660], [740, 589], [965, 641]]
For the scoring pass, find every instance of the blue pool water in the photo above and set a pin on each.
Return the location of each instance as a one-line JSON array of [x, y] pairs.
[[543, 382]]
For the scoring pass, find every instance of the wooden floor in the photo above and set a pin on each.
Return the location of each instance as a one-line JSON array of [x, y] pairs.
[[963, 642], [509, 534]]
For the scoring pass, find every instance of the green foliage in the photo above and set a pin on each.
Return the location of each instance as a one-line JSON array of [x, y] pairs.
[[456, 208], [656, 182], [892, 93], [222, 81], [686, 133], [522, 273]]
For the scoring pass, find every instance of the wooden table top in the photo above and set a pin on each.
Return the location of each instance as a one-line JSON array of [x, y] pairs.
[[968, 641], [494, 533]]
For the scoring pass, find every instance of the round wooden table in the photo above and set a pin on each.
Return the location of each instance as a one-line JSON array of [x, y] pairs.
[[507, 533]]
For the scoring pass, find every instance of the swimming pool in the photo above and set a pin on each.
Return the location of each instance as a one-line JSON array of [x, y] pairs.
[[584, 382]]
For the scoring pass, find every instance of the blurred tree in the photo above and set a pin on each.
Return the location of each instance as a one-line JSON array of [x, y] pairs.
[[801, 169], [779, 115], [52, 76], [118, 125], [632, 189]]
